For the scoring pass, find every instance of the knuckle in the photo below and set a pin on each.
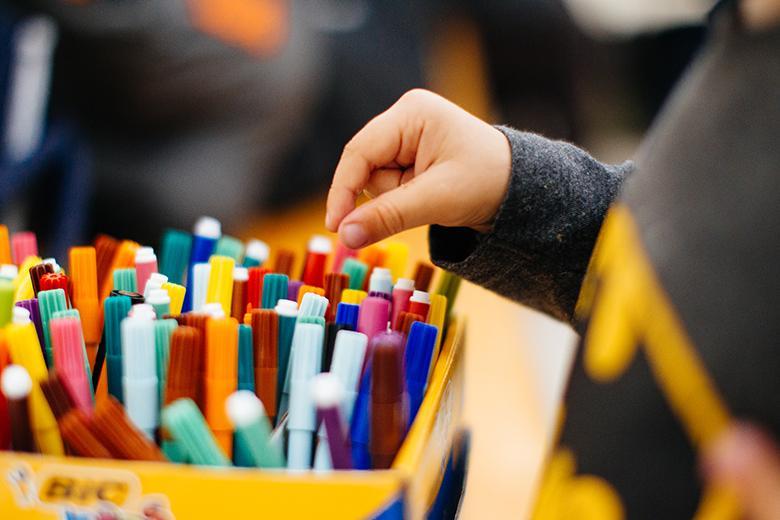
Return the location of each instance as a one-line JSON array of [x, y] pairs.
[[417, 96]]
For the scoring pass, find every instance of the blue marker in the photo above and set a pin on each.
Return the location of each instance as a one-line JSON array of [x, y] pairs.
[[347, 314], [360, 424], [204, 239], [417, 361]]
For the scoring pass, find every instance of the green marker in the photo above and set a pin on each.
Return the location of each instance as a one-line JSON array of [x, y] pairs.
[[50, 302], [231, 247], [187, 426], [163, 329], [125, 280], [356, 270], [252, 427]]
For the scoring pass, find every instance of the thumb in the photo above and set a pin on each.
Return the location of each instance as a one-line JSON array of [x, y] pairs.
[[747, 461], [415, 203]]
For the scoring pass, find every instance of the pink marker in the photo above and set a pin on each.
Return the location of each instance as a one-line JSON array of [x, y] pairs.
[[402, 291], [419, 303], [69, 362], [373, 316], [23, 245], [342, 253], [145, 265]]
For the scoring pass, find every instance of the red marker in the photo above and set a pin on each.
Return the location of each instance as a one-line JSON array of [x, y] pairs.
[[316, 258], [52, 281], [402, 291], [419, 303], [254, 286]]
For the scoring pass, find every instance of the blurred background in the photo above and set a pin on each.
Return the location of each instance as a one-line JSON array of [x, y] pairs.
[[127, 116]]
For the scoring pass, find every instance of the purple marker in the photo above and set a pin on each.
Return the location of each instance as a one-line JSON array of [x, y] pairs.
[[328, 395], [293, 286], [35, 317]]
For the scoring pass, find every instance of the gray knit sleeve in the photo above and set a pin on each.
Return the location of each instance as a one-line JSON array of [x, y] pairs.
[[545, 228]]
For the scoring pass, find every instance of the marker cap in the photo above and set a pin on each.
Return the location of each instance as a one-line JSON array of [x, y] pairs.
[[208, 227], [313, 304], [187, 426], [348, 359], [175, 254], [419, 349], [257, 250], [353, 296], [230, 247], [274, 289], [381, 281], [83, 272], [373, 317], [356, 270], [347, 313], [184, 365]]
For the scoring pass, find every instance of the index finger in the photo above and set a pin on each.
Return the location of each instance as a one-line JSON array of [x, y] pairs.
[[391, 137]]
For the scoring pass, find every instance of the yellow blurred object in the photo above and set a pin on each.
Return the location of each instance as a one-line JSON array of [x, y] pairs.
[[220, 287], [176, 293], [437, 313], [353, 296], [23, 289], [397, 259], [26, 351]]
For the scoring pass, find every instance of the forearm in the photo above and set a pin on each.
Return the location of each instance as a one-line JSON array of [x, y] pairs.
[[544, 231]]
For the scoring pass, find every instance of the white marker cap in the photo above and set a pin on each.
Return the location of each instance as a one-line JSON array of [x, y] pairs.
[[420, 297], [244, 408], [240, 274], [326, 390], [214, 310], [208, 227], [21, 316], [16, 382], [404, 284], [320, 244], [258, 250], [145, 254]]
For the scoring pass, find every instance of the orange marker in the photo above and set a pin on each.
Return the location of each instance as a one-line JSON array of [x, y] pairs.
[[221, 378], [124, 258], [105, 250], [240, 293], [309, 289], [5, 246], [83, 273], [265, 339], [372, 256]]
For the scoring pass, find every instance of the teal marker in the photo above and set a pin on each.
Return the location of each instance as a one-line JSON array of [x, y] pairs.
[[246, 381], [288, 316], [356, 270], [187, 426], [175, 255], [125, 280], [163, 329], [274, 289], [253, 430], [50, 302], [115, 309], [230, 247]]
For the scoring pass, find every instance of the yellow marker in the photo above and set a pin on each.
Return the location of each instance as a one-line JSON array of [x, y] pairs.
[[123, 259], [307, 289], [220, 287], [396, 259], [26, 351], [23, 289], [176, 293], [83, 273], [436, 316], [5, 246], [353, 296]]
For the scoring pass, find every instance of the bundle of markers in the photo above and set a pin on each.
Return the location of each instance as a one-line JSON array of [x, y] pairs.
[[213, 356]]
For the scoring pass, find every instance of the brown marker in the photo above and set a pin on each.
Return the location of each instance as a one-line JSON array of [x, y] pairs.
[[388, 412], [405, 320], [240, 293], [335, 283], [16, 385], [423, 274], [118, 434], [265, 342], [36, 273], [284, 262]]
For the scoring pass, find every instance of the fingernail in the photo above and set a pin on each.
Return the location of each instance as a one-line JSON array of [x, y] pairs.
[[354, 235]]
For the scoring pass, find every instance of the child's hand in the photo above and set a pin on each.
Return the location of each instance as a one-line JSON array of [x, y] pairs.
[[746, 460], [423, 161]]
